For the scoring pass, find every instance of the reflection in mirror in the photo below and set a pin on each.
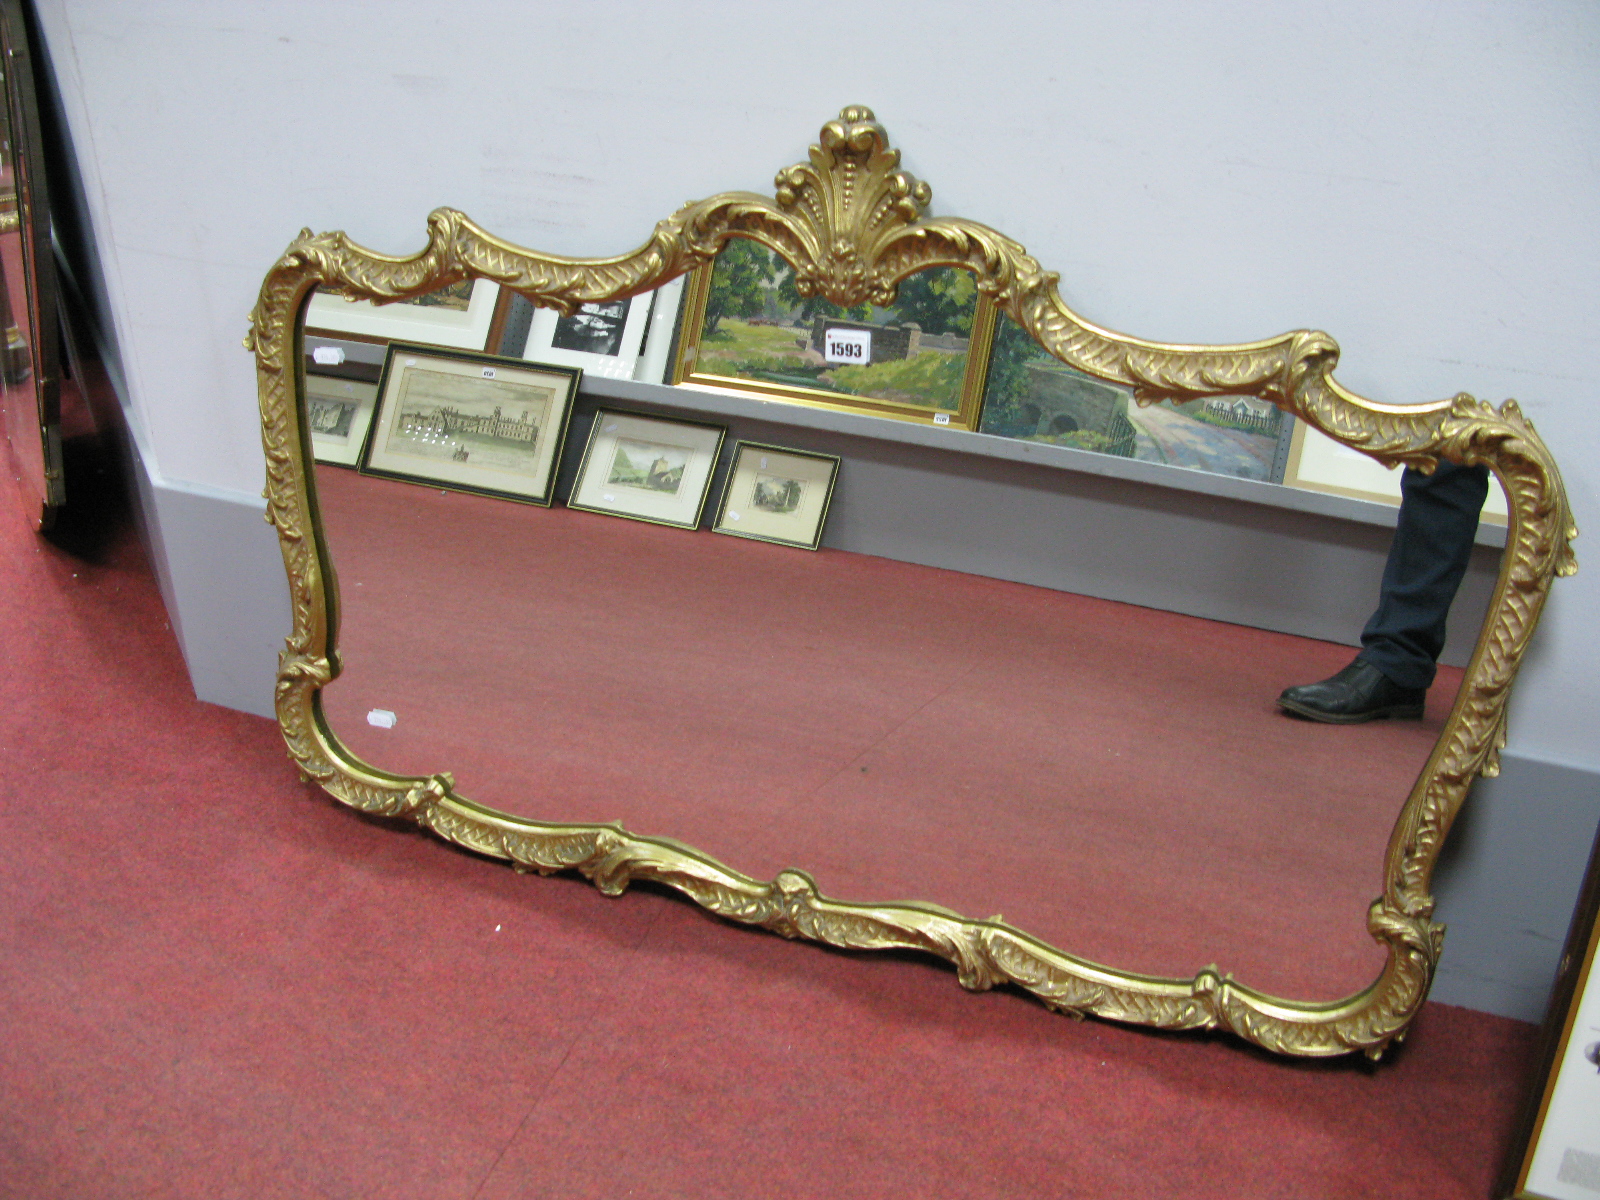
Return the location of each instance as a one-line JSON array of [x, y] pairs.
[[1118, 782], [874, 723], [1114, 779], [1034, 396], [747, 326]]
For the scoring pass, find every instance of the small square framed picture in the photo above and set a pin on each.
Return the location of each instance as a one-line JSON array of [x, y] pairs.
[[470, 422], [603, 339], [647, 468], [777, 495], [338, 413]]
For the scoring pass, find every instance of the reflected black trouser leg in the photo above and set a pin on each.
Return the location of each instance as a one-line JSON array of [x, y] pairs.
[[1429, 555]]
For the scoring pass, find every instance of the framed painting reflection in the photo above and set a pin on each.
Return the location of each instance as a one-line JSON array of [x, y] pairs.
[[647, 468], [603, 339], [470, 422], [747, 326], [777, 495], [459, 315], [338, 413]]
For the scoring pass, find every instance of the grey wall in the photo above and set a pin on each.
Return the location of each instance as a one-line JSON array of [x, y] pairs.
[[1507, 882]]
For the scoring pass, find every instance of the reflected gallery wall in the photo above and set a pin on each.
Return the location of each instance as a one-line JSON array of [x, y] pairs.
[[1112, 778]]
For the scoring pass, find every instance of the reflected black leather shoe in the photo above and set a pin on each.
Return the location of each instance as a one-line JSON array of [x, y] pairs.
[[1358, 693]]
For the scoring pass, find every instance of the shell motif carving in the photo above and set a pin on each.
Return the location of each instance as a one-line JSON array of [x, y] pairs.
[[853, 225]]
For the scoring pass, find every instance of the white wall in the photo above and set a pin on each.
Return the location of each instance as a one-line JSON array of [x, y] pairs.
[[1417, 179]]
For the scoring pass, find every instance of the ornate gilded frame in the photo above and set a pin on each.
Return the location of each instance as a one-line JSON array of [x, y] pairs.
[[852, 225]]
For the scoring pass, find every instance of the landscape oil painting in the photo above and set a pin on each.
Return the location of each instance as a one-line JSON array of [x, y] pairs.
[[749, 326], [1032, 395]]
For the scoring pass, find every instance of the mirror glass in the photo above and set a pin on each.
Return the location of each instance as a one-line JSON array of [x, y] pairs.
[[1115, 780]]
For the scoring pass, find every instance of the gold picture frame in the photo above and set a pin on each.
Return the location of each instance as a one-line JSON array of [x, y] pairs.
[[646, 468], [776, 494], [852, 226], [884, 360]]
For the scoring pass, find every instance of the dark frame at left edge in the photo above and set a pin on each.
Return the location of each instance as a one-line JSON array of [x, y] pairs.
[[18, 38]]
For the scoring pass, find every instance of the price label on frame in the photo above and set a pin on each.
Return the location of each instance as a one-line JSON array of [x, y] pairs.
[[847, 346]]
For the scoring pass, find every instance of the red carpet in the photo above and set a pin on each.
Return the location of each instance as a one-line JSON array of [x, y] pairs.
[[218, 984], [1115, 779]]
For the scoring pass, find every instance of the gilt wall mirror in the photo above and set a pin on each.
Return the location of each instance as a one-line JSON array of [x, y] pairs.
[[758, 729]]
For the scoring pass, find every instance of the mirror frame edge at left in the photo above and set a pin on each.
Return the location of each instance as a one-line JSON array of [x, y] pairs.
[[851, 225]]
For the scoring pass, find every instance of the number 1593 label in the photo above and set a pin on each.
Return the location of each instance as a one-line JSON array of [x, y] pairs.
[[847, 346]]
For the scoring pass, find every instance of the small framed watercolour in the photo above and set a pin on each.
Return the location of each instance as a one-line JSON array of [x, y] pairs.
[[747, 327], [470, 422], [647, 468], [339, 412], [459, 315], [777, 495], [1556, 1152], [603, 339], [1320, 464]]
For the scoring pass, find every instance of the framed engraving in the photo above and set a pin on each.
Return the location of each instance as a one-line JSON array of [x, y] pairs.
[[604, 339], [458, 315], [1557, 1155], [470, 422], [748, 326], [777, 495], [647, 468], [338, 415]]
